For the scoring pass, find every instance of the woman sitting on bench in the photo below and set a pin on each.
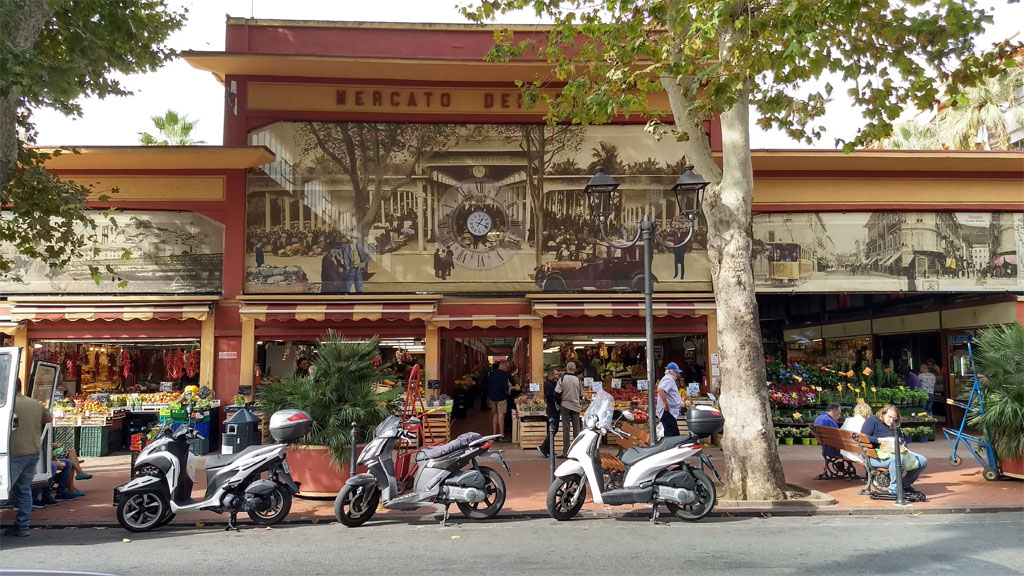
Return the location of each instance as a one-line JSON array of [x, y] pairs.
[[879, 427]]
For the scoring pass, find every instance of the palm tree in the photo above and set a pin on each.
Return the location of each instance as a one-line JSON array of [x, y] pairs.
[[175, 130], [986, 112], [910, 135]]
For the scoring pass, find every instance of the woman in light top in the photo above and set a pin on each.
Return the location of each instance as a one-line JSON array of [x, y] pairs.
[[853, 424]]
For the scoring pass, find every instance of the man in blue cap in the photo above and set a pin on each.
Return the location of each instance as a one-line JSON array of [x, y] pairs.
[[669, 402]]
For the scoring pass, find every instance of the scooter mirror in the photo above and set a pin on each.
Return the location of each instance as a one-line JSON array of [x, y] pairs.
[[628, 415], [591, 421]]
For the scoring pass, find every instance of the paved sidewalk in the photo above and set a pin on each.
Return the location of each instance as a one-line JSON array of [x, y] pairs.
[[949, 489]]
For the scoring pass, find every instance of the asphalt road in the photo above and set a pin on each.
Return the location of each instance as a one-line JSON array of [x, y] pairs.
[[976, 544]]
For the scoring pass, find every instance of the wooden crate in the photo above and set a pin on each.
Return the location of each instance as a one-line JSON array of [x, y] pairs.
[[533, 432], [436, 428]]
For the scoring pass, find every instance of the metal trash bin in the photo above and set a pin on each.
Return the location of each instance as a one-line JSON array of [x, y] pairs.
[[241, 431]]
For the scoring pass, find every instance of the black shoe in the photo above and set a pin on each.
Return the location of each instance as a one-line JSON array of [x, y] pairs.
[[51, 502], [38, 505], [562, 457], [17, 532], [541, 452]]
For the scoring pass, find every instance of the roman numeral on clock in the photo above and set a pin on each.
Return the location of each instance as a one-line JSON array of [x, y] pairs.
[[462, 257]]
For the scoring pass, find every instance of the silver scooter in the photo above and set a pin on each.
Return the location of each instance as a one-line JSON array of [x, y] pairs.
[[446, 474], [166, 471]]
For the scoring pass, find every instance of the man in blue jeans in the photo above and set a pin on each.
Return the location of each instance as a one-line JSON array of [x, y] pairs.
[[24, 449]]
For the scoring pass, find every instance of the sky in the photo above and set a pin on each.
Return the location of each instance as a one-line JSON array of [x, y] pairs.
[[178, 86]]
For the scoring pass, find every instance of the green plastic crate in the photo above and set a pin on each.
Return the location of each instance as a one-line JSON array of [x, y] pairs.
[[95, 441], [67, 436], [199, 446]]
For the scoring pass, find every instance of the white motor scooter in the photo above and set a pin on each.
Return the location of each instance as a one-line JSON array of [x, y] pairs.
[[655, 475]]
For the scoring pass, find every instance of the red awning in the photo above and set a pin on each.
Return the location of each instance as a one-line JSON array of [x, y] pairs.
[[52, 312], [337, 311], [483, 321], [571, 308]]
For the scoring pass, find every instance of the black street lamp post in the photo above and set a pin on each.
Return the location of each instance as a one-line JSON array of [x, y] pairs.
[[602, 194]]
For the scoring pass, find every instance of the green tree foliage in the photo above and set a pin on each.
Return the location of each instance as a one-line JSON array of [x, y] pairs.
[[719, 58], [53, 53], [1001, 360], [172, 130], [988, 110]]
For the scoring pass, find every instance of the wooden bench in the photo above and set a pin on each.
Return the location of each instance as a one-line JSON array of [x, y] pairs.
[[838, 466]]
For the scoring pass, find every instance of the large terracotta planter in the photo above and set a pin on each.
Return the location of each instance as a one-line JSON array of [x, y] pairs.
[[312, 468], [1013, 468]]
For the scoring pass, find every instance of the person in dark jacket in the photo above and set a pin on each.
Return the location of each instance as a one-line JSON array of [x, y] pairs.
[[830, 419], [497, 391], [553, 401], [881, 426]]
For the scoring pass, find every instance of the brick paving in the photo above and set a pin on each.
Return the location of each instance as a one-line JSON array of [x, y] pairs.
[[949, 489]]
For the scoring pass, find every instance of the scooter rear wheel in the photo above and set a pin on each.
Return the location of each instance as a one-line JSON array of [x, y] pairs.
[[142, 511], [494, 497], [281, 505], [560, 495], [354, 505], [702, 506]]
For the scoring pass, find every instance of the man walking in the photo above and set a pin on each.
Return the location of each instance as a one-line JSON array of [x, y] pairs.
[[669, 402], [551, 399], [497, 390], [24, 450], [570, 389]]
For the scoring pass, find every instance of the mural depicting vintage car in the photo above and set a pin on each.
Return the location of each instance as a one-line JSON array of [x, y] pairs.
[[598, 274]]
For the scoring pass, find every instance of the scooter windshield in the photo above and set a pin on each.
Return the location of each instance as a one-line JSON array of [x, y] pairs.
[[602, 405], [388, 428]]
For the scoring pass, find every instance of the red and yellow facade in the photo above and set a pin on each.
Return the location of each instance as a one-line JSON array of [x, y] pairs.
[[301, 72]]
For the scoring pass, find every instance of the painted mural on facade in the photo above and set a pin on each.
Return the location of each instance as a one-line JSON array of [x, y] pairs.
[[889, 252], [170, 253], [385, 208]]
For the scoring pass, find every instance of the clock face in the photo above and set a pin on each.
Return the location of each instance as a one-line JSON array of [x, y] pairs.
[[481, 222]]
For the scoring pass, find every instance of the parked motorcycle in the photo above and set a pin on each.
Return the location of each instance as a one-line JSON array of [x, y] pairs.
[[165, 471], [655, 475], [446, 474]]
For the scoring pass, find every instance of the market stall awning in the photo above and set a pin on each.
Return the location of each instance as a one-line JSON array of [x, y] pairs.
[[7, 324], [337, 311], [483, 321], [575, 307], [52, 312]]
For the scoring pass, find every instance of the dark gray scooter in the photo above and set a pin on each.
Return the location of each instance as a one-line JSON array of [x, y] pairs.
[[441, 479]]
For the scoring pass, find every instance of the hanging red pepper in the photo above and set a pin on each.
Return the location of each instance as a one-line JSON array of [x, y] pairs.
[[126, 365], [192, 366]]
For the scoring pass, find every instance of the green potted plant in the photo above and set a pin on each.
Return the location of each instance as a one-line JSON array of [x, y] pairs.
[[805, 435], [1000, 361], [778, 434], [340, 390], [787, 436]]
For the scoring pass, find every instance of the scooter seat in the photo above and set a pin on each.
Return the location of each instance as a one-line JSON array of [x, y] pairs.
[[635, 454], [221, 460], [461, 442]]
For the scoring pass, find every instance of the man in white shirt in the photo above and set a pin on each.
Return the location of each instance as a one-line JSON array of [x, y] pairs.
[[669, 402]]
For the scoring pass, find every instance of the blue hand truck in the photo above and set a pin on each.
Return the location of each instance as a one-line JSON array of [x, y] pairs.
[[975, 405]]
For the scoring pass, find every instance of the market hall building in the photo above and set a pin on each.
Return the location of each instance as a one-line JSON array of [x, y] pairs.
[[382, 179]]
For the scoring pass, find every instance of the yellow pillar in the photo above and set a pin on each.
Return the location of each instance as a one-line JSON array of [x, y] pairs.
[[432, 349], [206, 351], [247, 357], [537, 352], [20, 340]]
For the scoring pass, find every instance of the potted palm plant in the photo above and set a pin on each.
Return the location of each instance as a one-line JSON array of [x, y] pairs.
[[1001, 363], [340, 390]]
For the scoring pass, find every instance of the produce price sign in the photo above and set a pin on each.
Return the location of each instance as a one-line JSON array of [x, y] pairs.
[[534, 387], [166, 386], [641, 384], [616, 382]]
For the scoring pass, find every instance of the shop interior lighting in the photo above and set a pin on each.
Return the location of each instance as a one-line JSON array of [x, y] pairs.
[[584, 342]]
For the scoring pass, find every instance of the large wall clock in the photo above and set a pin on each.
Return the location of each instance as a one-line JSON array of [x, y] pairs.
[[481, 223]]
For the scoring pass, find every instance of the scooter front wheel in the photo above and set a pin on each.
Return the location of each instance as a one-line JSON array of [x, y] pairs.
[[142, 511], [280, 506], [356, 504], [494, 497], [560, 497], [702, 506]]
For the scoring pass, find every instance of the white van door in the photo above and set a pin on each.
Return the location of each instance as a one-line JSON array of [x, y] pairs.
[[9, 362], [42, 383]]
